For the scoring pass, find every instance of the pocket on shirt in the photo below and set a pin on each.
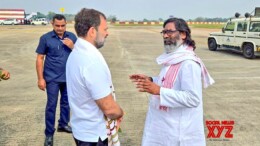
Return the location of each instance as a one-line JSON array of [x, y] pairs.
[[56, 52]]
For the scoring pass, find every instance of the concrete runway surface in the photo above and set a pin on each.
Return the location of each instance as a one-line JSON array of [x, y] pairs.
[[128, 49]]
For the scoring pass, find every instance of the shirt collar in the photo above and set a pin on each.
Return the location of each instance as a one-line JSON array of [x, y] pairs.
[[53, 34], [84, 44]]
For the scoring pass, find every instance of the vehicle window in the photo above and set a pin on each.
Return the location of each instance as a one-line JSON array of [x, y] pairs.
[[241, 26], [230, 26], [254, 27]]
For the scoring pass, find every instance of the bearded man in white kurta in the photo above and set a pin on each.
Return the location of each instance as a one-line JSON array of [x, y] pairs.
[[175, 115]]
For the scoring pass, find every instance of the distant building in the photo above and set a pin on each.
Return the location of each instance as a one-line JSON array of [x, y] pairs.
[[18, 14]]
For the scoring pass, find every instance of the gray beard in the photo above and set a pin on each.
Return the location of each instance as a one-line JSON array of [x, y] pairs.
[[172, 48]]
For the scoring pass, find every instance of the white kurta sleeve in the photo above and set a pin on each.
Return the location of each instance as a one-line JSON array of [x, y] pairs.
[[187, 91]]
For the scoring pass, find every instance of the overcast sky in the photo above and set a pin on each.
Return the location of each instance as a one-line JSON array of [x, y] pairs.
[[140, 9]]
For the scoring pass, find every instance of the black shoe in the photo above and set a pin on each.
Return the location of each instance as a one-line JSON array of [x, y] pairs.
[[65, 129], [48, 141]]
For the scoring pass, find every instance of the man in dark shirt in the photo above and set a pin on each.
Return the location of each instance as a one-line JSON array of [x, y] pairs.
[[52, 53]]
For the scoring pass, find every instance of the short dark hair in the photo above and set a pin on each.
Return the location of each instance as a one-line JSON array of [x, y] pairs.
[[182, 26], [58, 17], [85, 19]]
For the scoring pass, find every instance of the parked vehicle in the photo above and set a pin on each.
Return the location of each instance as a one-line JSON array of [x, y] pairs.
[[39, 21], [10, 22], [240, 34]]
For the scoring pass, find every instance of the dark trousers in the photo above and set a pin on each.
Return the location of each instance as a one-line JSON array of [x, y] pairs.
[[53, 89], [99, 143]]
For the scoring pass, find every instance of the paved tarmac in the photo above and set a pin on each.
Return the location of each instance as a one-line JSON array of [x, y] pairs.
[[129, 49]]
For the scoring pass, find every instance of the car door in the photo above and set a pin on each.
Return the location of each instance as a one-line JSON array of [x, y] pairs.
[[229, 39], [240, 33], [9, 21]]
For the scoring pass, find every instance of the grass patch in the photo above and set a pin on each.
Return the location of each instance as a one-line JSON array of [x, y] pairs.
[[136, 25], [210, 26]]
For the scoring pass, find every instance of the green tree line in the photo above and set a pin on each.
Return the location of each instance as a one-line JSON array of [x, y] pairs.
[[113, 18]]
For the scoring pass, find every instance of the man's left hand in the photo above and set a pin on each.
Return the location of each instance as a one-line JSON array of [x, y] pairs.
[[118, 123], [68, 42]]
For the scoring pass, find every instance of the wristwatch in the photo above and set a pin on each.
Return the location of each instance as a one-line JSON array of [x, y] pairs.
[[151, 79]]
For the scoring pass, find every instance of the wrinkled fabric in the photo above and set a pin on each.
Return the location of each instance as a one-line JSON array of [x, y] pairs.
[[185, 53], [175, 117]]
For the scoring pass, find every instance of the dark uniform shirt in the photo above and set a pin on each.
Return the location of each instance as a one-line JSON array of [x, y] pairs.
[[56, 55]]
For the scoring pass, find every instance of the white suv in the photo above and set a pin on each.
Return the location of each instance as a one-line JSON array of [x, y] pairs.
[[10, 22], [40, 21], [240, 35]]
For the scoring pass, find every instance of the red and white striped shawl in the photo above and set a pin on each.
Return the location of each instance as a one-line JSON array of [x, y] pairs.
[[175, 59]]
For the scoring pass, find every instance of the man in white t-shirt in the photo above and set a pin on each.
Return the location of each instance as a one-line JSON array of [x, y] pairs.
[[89, 81]]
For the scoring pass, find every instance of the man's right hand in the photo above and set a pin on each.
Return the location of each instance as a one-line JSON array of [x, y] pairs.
[[42, 84], [136, 77], [68, 42]]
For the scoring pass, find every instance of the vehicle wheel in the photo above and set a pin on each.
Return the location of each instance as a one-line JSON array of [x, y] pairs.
[[212, 44], [12, 23], [248, 51]]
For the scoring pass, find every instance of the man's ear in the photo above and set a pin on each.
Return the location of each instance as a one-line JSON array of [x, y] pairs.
[[92, 32], [183, 35]]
